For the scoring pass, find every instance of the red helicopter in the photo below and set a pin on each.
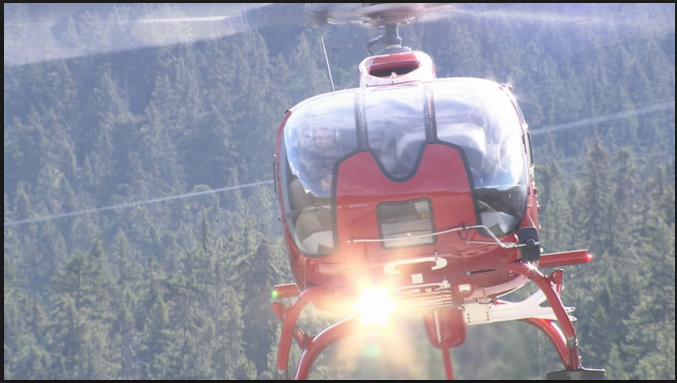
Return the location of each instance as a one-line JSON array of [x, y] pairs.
[[413, 194]]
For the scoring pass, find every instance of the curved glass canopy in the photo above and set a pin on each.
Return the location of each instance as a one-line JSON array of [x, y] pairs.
[[394, 124]]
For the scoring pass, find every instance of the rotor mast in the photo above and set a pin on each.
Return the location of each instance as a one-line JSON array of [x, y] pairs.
[[390, 39]]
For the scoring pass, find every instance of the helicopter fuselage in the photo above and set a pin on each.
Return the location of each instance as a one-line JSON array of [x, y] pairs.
[[431, 180]]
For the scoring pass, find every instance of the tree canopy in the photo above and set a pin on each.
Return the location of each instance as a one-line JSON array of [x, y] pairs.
[[179, 289]]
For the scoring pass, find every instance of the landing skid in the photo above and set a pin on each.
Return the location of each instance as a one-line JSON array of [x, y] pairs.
[[582, 374], [563, 336]]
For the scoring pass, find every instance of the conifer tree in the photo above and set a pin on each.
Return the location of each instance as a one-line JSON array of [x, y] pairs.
[[155, 356], [259, 273], [126, 304], [621, 215], [556, 212], [596, 197]]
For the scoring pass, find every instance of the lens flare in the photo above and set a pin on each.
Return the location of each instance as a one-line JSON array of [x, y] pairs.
[[374, 306]]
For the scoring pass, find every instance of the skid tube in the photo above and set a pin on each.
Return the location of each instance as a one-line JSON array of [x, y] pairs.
[[312, 345], [563, 337]]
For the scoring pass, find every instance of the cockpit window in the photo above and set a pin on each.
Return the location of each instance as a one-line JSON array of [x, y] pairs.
[[481, 119], [317, 134], [390, 122], [395, 124]]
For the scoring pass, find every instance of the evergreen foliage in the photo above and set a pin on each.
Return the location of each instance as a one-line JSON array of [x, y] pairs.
[[181, 289]]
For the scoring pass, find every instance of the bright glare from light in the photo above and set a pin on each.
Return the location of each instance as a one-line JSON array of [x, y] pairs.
[[374, 306], [465, 288]]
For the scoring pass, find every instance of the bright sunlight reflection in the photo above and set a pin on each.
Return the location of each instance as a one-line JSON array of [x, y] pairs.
[[374, 306]]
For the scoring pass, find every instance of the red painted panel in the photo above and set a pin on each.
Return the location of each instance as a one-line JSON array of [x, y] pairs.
[[361, 186], [394, 57], [440, 177]]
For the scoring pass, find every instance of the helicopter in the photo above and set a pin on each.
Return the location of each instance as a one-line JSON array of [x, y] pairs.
[[413, 194]]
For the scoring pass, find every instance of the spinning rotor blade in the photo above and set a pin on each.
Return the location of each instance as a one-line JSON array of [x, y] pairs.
[[563, 15], [370, 14], [43, 32]]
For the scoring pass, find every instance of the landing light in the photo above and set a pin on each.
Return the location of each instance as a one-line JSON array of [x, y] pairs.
[[374, 306], [465, 288]]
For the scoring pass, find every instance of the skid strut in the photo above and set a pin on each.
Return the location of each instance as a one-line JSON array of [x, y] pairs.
[[312, 345], [573, 360], [563, 338], [446, 327]]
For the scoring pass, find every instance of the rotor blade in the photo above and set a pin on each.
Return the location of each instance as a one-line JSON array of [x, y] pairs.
[[369, 14], [575, 15], [41, 32]]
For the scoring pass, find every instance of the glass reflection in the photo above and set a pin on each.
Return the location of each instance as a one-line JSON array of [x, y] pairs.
[[318, 133], [395, 121], [479, 117]]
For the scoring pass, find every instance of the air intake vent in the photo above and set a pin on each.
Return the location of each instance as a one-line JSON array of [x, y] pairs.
[[386, 69]]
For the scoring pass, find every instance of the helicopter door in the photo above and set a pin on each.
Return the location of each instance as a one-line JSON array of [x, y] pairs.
[[478, 116], [319, 132]]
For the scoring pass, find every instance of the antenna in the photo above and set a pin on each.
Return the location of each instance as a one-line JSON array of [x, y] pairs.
[[326, 59]]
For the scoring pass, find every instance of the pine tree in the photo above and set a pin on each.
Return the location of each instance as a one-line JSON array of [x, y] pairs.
[[12, 318], [622, 207], [127, 301], [556, 213], [649, 324], [155, 356], [597, 193], [42, 257], [258, 273], [229, 360]]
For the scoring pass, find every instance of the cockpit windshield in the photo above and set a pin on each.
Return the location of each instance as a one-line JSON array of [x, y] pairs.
[[317, 135], [395, 124], [482, 119]]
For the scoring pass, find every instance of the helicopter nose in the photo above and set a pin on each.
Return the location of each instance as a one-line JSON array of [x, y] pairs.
[[362, 188]]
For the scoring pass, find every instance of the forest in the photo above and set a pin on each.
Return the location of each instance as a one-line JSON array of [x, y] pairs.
[[174, 280]]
